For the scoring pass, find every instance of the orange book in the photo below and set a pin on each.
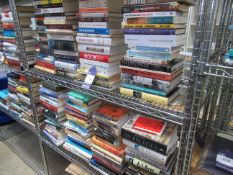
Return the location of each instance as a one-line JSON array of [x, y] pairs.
[[117, 150], [103, 9], [112, 111]]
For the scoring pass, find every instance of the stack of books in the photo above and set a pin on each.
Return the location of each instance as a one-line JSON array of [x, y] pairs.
[[25, 13], [20, 103], [52, 99], [79, 128], [101, 41], [155, 33], [9, 39], [107, 144], [151, 145], [57, 23]]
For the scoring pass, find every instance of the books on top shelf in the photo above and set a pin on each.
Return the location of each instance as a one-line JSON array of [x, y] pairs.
[[100, 41], [57, 49], [155, 33], [79, 126]]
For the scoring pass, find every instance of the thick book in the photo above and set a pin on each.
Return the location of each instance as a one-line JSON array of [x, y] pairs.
[[138, 31], [170, 6], [169, 67], [100, 41], [152, 98], [100, 25], [153, 86], [100, 58], [152, 74], [133, 2], [149, 125]]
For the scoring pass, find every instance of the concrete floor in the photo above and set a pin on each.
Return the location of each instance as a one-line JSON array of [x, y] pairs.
[[11, 164]]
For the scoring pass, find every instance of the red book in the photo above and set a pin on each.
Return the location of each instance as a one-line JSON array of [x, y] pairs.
[[78, 116], [100, 9], [95, 57], [8, 25], [112, 111], [72, 108], [45, 64], [148, 74], [13, 62], [149, 125], [48, 106]]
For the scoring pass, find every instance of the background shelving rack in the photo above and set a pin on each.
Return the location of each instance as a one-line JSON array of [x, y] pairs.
[[208, 77]]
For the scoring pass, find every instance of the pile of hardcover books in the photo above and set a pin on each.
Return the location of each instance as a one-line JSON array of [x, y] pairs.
[[57, 22], [101, 40], [107, 144], [9, 39], [20, 103], [151, 145], [155, 33], [79, 128], [52, 99]]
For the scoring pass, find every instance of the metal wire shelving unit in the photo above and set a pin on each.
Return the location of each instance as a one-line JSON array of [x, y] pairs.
[[208, 76]]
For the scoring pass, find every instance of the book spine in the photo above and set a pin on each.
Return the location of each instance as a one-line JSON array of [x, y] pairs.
[[103, 9], [66, 66], [149, 55], [66, 53], [97, 41], [145, 151], [160, 148], [95, 19], [105, 31], [61, 37], [144, 82], [52, 10], [150, 14], [98, 25], [136, 31], [142, 65], [91, 62], [94, 57], [100, 167], [150, 8], [62, 45], [147, 74], [49, 106], [106, 163], [45, 64], [152, 49], [143, 165], [93, 3], [162, 26], [145, 96], [94, 49], [143, 89], [149, 20]]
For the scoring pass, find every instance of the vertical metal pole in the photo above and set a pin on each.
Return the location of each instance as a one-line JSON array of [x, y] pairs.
[[23, 57], [187, 112], [210, 19]]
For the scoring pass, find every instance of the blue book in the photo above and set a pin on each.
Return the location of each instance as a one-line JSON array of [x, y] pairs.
[[76, 141], [77, 128], [4, 93], [78, 149], [142, 89], [105, 31], [83, 110], [51, 93]]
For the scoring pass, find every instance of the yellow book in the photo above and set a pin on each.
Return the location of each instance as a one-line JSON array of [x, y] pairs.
[[45, 69], [172, 26], [78, 121], [45, 2], [150, 97], [22, 89], [85, 71]]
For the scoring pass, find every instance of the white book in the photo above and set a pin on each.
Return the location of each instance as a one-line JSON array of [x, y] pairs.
[[61, 37], [120, 35], [102, 71], [155, 40], [105, 50], [100, 14], [113, 25], [66, 66], [100, 64], [154, 14], [100, 41]]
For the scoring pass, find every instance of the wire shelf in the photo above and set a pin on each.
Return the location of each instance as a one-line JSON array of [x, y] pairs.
[[172, 113], [220, 71], [71, 157], [19, 120]]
